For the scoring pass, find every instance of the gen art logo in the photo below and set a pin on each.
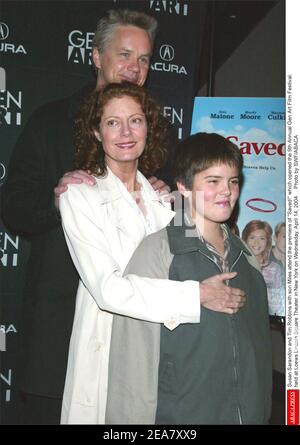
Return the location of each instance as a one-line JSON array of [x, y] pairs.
[[9, 247], [175, 116], [10, 108], [172, 7], [6, 384], [80, 47]]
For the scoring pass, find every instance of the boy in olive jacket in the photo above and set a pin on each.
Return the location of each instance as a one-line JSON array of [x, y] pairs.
[[218, 371]]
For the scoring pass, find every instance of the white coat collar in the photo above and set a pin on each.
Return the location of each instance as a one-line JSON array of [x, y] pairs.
[[111, 189]]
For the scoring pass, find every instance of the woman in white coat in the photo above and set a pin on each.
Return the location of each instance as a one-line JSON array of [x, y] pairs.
[[119, 128]]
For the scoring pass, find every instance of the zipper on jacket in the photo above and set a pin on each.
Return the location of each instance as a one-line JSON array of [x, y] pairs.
[[240, 417], [241, 253], [232, 266], [234, 349], [232, 320], [210, 259], [235, 367]]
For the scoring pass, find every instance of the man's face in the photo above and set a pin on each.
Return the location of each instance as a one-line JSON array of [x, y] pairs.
[[126, 57]]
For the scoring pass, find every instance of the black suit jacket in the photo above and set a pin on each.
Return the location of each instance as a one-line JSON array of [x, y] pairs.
[[43, 153]]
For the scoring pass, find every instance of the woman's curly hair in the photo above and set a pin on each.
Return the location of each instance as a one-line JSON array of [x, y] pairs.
[[89, 153]]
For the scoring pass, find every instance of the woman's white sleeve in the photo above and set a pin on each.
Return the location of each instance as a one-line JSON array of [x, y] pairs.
[[151, 299]]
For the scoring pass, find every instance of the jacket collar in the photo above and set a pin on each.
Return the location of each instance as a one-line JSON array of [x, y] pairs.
[[111, 188], [112, 191], [184, 239]]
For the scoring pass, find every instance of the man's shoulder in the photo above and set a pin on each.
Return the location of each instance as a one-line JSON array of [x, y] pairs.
[[62, 108], [53, 106]]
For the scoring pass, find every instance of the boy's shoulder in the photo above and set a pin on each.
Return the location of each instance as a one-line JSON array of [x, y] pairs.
[[247, 253], [152, 258]]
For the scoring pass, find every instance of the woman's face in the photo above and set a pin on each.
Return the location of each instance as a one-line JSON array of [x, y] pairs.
[[123, 131], [257, 241]]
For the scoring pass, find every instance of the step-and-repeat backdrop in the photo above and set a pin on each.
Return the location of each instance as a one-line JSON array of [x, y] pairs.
[[45, 49]]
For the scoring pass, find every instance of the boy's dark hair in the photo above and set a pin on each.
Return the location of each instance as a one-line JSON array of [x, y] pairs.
[[199, 152]]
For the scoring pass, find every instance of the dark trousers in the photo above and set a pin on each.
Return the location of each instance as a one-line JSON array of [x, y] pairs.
[[39, 410]]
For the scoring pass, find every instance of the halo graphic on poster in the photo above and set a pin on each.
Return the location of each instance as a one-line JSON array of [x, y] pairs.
[[257, 127]]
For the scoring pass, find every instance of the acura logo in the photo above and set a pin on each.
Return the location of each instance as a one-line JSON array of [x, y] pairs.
[[4, 31], [166, 53], [2, 171]]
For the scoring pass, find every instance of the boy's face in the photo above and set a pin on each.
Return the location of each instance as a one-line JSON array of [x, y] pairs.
[[214, 193]]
